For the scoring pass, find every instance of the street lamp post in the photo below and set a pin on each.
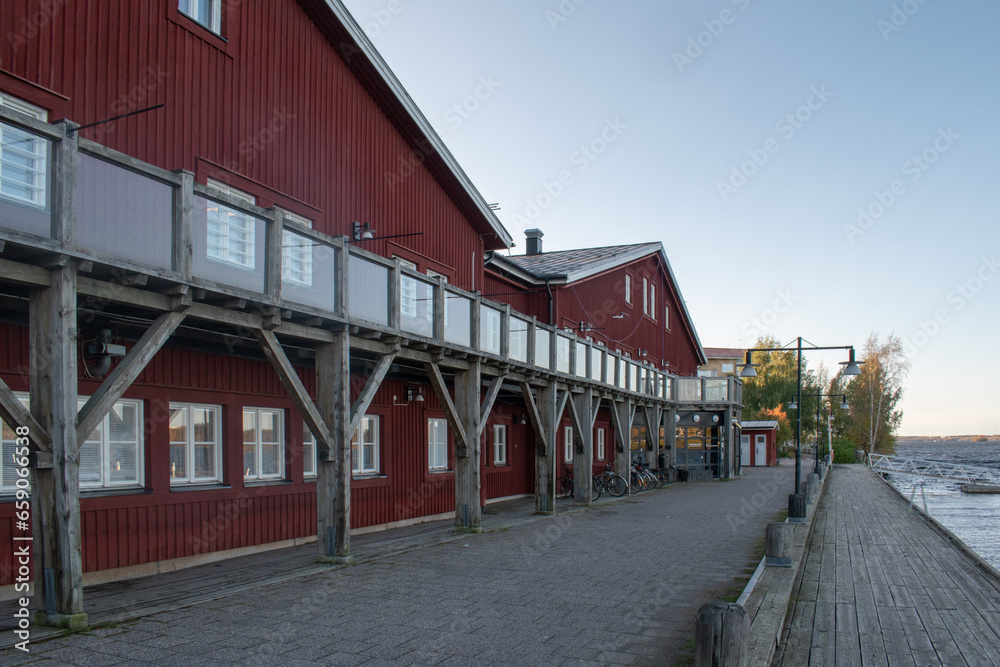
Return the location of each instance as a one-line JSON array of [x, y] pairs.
[[851, 367], [798, 407]]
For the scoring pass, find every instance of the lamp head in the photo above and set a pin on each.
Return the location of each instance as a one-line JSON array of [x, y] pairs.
[[748, 368], [852, 367], [792, 405], [843, 404]]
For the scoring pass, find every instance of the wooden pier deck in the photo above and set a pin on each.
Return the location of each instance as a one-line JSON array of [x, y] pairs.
[[880, 586]]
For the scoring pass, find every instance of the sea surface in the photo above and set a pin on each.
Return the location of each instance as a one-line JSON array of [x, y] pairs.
[[974, 518]]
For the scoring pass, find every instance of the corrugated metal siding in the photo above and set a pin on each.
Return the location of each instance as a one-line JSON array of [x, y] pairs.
[[275, 106]]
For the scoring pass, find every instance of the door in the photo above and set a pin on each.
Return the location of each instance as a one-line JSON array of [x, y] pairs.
[[745, 450], [760, 450]]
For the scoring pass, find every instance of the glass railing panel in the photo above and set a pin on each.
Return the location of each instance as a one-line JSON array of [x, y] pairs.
[[229, 245], [581, 359], [562, 354], [308, 271], [368, 291], [621, 365], [25, 187], [489, 329], [416, 306], [457, 319], [519, 339], [633, 378], [542, 355], [596, 356], [123, 214], [688, 389], [716, 389], [668, 388]]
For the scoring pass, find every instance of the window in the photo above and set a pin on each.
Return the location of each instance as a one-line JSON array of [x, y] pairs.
[[296, 253], [727, 368], [568, 444], [408, 291], [628, 288], [263, 444], [8, 453], [231, 232], [600, 444], [112, 455], [308, 452], [195, 443], [437, 444], [499, 444], [666, 316], [364, 447], [652, 301], [489, 328], [23, 158], [206, 12], [645, 295]]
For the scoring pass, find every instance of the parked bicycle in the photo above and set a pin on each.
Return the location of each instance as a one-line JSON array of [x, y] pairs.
[[565, 484], [611, 482]]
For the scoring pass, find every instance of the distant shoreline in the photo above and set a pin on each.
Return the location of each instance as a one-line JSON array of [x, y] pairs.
[[950, 438]]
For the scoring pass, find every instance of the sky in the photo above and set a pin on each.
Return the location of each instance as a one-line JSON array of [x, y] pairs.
[[814, 169]]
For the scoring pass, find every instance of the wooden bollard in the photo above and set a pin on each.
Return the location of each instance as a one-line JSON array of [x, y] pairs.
[[721, 635], [778, 548], [796, 508]]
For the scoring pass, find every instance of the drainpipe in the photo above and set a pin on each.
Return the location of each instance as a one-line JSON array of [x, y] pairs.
[[552, 312]]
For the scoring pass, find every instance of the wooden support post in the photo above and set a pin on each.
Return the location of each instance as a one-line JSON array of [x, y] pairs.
[[55, 492], [333, 468], [670, 434], [583, 459], [651, 415], [548, 418], [468, 508], [622, 413], [183, 246]]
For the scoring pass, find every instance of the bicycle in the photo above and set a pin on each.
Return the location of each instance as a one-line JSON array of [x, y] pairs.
[[565, 485], [612, 482]]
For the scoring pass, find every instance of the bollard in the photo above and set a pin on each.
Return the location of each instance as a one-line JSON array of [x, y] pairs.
[[807, 492], [721, 635], [778, 549], [796, 508]]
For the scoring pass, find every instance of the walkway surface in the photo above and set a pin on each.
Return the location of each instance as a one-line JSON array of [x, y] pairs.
[[618, 583], [882, 587]]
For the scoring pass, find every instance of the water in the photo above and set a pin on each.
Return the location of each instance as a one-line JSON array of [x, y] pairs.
[[974, 518]]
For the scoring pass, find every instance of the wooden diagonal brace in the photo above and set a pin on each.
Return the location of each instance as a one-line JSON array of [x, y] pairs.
[[488, 401], [541, 437], [293, 385], [15, 414], [450, 411], [122, 377], [367, 395]]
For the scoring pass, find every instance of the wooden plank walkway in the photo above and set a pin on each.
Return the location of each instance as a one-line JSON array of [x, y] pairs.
[[882, 587]]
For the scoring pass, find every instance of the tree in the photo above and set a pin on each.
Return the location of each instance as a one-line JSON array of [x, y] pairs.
[[874, 395], [776, 384]]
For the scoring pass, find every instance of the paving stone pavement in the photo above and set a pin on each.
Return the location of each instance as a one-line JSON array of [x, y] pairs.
[[618, 583]]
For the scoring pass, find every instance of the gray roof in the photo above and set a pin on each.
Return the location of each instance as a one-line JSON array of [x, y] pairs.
[[573, 265], [759, 425]]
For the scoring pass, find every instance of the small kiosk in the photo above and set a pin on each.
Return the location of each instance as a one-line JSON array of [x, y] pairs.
[[759, 443]]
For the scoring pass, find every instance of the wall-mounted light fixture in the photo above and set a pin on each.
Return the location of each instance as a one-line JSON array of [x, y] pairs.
[[417, 396], [362, 232], [520, 419], [620, 316]]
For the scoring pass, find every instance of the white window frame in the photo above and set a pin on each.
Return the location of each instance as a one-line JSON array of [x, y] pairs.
[[666, 316], [258, 445], [437, 444], [491, 326], [652, 301], [645, 295], [308, 453], [499, 444], [190, 446], [24, 152], [628, 288], [101, 436], [231, 234], [8, 450], [358, 467], [296, 253], [408, 291], [728, 368], [193, 8], [568, 444], [601, 453]]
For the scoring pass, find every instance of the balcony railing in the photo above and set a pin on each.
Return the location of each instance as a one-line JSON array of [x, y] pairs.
[[96, 204]]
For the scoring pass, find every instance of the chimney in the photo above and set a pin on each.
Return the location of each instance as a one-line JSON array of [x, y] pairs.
[[534, 241]]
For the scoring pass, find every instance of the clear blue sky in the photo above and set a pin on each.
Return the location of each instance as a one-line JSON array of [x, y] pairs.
[[746, 135]]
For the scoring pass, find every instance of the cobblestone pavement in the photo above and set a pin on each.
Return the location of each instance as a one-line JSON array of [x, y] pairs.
[[618, 583]]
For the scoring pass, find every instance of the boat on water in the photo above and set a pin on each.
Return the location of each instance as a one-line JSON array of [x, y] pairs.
[[981, 488]]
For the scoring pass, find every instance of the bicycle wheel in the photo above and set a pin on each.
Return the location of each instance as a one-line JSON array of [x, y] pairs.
[[595, 488], [564, 487], [615, 485]]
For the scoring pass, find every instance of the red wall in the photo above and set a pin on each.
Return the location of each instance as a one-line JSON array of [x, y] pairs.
[[274, 111], [162, 523]]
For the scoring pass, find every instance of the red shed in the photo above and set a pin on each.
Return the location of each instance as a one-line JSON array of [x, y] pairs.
[[759, 443]]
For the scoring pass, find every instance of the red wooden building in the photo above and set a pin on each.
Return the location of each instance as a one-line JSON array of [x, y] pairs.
[[251, 313], [759, 443]]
